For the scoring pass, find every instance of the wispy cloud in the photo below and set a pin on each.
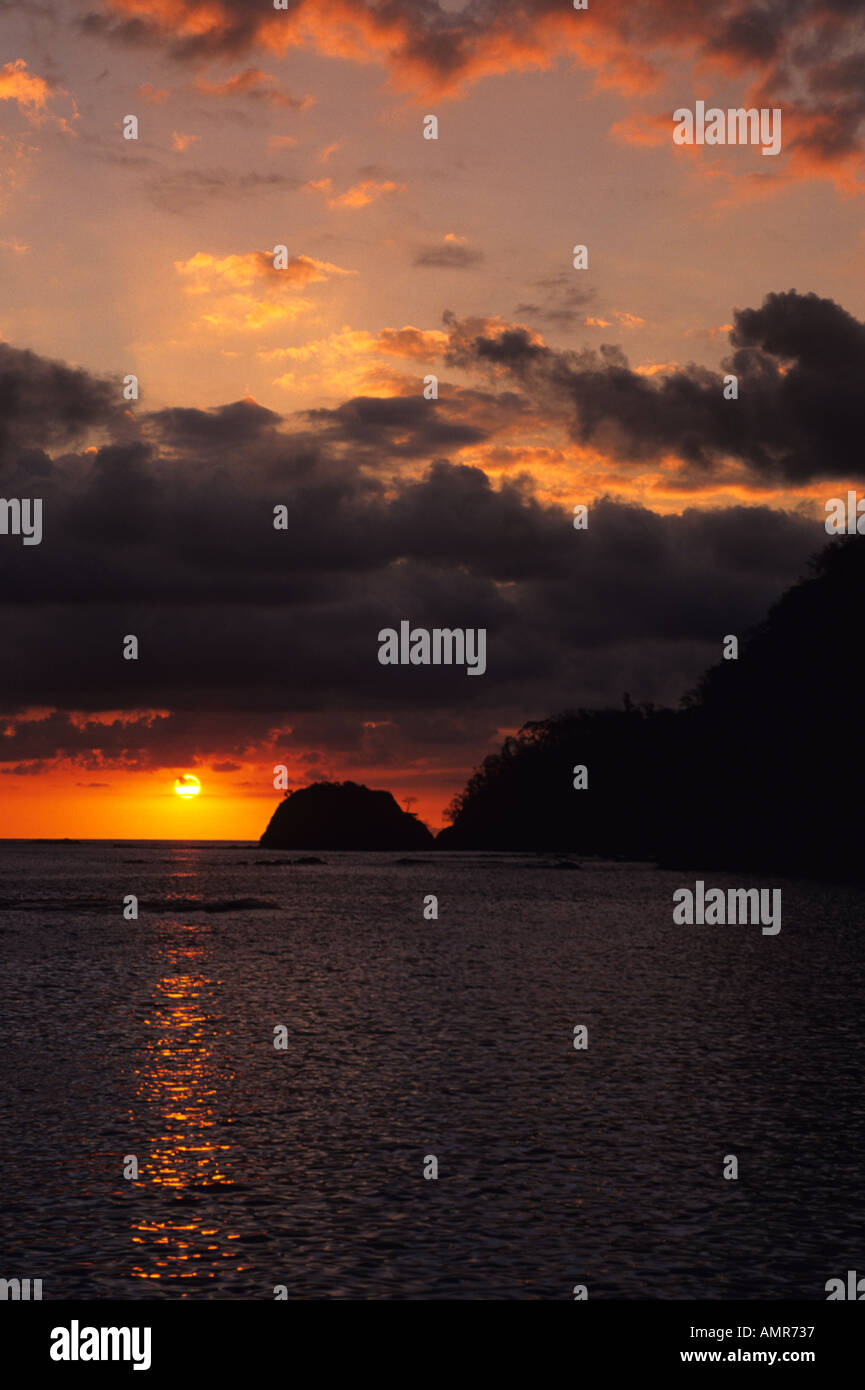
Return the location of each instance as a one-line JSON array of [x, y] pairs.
[[257, 85], [360, 195], [453, 253]]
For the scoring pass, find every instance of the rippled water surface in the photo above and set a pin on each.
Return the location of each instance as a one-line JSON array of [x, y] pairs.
[[409, 1038]]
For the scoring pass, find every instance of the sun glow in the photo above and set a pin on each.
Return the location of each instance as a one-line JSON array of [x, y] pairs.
[[187, 785]]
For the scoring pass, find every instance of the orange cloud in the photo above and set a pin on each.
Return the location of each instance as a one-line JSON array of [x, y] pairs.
[[30, 91], [656, 368], [818, 150], [154, 95], [244, 312], [408, 342], [182, 142], [358, 196], [256, 83], [644, 129], [31, 94], [818, 143], [813, 69], [244, 269], [427, 52], [224, 280], [80, 719], [411, 342], [628, 320], [348, 362]]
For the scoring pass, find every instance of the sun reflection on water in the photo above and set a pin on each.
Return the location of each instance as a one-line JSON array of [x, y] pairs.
[[182, 1105]]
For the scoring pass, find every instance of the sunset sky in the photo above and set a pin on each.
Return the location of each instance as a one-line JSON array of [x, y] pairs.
[[303, 387]]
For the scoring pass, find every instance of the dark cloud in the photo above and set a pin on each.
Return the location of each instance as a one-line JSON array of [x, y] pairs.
[[222, 428], [562, 315], [46, 404], [451, 256], [560, 302], [231, 28], [405, 426], [245, 630], [800, 415], [181, 190]]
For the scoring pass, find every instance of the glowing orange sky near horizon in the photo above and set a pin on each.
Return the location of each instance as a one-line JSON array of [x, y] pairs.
[[144, 805]]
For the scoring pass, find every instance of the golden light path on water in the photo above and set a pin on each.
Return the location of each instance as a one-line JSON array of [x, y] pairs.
[[182, 1093]]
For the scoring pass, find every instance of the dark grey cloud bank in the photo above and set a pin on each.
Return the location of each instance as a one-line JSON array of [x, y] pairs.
[[800, 415], [45, 404], [166, 531]]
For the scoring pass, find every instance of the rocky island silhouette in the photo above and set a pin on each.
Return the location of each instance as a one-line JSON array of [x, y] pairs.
[[343, 816]]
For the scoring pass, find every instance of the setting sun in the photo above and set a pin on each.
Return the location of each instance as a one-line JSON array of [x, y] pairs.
[[187, 785]]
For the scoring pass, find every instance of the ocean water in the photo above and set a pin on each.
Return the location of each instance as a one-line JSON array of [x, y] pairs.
[[409, 1038]]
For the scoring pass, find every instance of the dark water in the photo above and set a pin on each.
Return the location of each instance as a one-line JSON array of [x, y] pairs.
[[410, 1038]]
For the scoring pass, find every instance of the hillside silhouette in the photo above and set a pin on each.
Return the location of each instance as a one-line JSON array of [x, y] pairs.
[[758, 768], [343, 815]]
